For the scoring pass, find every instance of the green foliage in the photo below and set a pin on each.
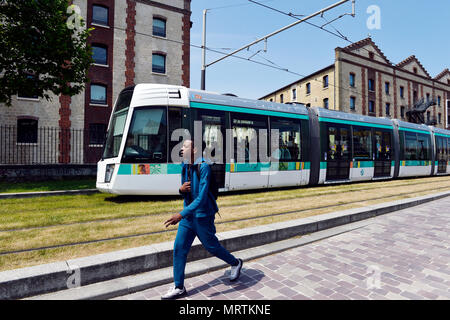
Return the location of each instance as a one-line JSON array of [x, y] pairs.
[[36, 39]]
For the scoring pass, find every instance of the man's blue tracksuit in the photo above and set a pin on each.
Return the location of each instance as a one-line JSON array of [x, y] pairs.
[[198, 214]]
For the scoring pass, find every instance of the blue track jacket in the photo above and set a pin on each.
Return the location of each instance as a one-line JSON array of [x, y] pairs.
[[199, 202]]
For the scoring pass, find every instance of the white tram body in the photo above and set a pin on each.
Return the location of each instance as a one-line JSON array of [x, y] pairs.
[[315, 145]]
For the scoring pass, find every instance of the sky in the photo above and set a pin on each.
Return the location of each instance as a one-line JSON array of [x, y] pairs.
[[402, 28]]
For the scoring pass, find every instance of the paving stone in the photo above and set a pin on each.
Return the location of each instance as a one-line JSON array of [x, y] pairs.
[[402, 255]]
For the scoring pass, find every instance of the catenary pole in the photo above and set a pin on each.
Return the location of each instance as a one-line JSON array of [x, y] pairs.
[[264, 38]]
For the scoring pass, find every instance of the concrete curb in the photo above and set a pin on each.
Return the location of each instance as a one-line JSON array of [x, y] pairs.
[[19, 195], [32, 281]]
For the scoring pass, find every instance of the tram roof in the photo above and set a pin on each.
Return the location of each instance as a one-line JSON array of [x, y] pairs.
[[414, 126], [225, 100], [344, 116]]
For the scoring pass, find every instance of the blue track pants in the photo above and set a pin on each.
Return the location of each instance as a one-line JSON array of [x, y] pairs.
[[205, 230]]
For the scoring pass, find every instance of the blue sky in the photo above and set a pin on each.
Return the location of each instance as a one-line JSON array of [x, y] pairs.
[[408, 27]]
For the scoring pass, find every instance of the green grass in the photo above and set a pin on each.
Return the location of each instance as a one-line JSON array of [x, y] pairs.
[[77, 218], [9, 187]]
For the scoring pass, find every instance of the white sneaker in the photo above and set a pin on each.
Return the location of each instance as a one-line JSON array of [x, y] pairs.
[[236, 271], [174, 293]]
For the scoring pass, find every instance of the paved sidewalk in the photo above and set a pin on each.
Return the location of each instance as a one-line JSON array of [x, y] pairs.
[[400, 255]]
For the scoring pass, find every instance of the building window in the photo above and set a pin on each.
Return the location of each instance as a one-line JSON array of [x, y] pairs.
[[439, 118], [371, 106], [428, 97], [439, 101], [325, 82], [415, 70], [387, 87], [352, 80], [158, 63], [428, 116], [159, 27], [371, 55], [98, 94], [402, 112], [97, 133], [414, 96], [100, 54], [352, 103], [281, 98], [388, 109], [294, 94], [308, 88], [402, 92], [371, 85], [325, 103], [27, 131], [28, 90], [271, 100], [100, 15]]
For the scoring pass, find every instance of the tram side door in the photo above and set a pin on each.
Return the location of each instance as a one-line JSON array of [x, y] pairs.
[[382, 153], [213, 127], [441, 154], [339, 153]]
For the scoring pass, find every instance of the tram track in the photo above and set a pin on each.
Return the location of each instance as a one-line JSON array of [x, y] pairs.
[[3, 253], [325, 192]]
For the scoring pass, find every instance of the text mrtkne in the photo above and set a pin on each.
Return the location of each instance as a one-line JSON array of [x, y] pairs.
[[232, 309]]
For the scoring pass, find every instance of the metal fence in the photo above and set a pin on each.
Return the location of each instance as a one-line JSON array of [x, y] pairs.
[[46, 145]]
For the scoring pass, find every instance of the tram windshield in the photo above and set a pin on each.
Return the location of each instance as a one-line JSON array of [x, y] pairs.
[[147, 137], [115, 132]]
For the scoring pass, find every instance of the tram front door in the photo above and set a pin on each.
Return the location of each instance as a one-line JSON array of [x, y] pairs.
[[339, 153]]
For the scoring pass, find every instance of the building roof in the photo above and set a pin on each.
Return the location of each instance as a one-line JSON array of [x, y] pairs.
[[412, 59], [442, 74], [364, 42]]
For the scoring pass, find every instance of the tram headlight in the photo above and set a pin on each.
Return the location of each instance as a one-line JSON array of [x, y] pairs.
[[109, 172]]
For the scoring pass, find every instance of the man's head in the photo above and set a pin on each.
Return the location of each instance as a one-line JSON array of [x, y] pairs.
[[189, 151]]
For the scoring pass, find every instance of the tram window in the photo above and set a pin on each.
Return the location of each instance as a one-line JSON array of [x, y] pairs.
[[382, 145], [175, 122], [289, 139], [410, 146], [424, 147], [332, 143], [115, 133], [147, 138], [212, 136], [362, 144], [245, 136]]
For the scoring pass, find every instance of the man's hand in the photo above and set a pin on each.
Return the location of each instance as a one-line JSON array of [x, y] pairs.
[[173, 220], [186, 187]]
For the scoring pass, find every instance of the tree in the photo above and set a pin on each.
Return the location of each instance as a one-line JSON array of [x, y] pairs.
[[43, 49]]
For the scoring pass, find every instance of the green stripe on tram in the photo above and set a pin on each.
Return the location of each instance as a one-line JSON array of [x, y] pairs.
[[413, 130], [247, 110], [172, 168], [442, 135]]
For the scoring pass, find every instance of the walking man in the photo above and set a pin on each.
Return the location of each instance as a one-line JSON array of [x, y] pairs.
[[196, 219]]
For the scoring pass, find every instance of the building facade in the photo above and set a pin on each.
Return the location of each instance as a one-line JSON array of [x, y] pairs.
[[362, 80], [133, 41]]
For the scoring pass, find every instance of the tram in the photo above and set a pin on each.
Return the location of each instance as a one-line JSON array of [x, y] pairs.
[[315, 145]]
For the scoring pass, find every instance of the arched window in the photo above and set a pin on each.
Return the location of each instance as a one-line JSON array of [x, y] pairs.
[[98, 94], [159, 27], [159, 63], [100, 54], [100, 15]]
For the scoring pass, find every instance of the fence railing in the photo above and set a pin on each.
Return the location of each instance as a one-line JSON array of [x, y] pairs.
[[46, 145]]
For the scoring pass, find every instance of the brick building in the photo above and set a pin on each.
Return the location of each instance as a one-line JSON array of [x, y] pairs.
[[133, 41], [362, 80]]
